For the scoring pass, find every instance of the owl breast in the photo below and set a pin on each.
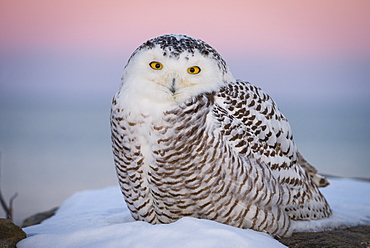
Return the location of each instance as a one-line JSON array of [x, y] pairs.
[[179, 164]]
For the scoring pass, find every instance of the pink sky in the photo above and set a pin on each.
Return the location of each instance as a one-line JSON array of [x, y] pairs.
[[289, 27]]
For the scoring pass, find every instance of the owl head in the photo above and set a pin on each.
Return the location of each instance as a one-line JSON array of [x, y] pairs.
[[170, 69]]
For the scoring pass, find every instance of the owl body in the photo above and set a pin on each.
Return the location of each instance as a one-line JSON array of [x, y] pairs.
[[190, 140]]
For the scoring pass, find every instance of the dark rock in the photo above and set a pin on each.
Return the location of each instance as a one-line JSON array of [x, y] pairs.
[[39, 217], [358, 236], [10, 234]]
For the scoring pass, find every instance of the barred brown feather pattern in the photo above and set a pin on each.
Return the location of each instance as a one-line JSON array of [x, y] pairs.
[[271, 142], [213, 157], [193, 171]]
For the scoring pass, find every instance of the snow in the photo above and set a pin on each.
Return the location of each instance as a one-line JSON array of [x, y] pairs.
[[100, 218]]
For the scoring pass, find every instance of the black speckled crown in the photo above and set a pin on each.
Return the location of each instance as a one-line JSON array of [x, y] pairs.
[[173, 45]]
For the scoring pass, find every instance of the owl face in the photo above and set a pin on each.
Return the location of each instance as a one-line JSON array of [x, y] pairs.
[[174, 68]]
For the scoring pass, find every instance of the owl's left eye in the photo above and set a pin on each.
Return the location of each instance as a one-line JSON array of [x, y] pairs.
[[156, 65], [194, 70]]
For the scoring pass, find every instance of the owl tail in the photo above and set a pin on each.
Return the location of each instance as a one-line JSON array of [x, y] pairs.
[[318, 179]]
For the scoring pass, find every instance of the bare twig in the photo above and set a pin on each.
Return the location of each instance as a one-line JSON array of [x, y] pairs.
[[11, 204], [7, 209]]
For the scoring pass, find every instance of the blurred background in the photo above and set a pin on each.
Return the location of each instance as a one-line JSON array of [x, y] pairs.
[[61, 63]]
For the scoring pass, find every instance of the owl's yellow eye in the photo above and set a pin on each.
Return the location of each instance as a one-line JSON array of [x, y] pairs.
[[194, 70], [156, 65]]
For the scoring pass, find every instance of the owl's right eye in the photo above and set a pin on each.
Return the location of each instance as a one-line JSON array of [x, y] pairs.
[[156, 65]]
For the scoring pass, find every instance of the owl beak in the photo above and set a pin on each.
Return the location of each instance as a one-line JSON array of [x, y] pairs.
[[172, 87]]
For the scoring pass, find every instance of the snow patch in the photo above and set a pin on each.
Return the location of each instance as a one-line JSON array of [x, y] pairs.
[[100, 218]]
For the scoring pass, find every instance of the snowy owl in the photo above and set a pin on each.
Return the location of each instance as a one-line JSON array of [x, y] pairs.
[[190, 140]]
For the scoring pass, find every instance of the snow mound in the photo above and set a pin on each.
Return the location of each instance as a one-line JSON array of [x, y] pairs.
[[100, 218]]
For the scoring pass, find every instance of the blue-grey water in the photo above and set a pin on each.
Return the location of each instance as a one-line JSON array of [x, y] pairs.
[[51, 150]]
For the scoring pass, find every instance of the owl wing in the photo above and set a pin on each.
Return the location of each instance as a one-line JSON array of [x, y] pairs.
[[254, 126], [128, 160]]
